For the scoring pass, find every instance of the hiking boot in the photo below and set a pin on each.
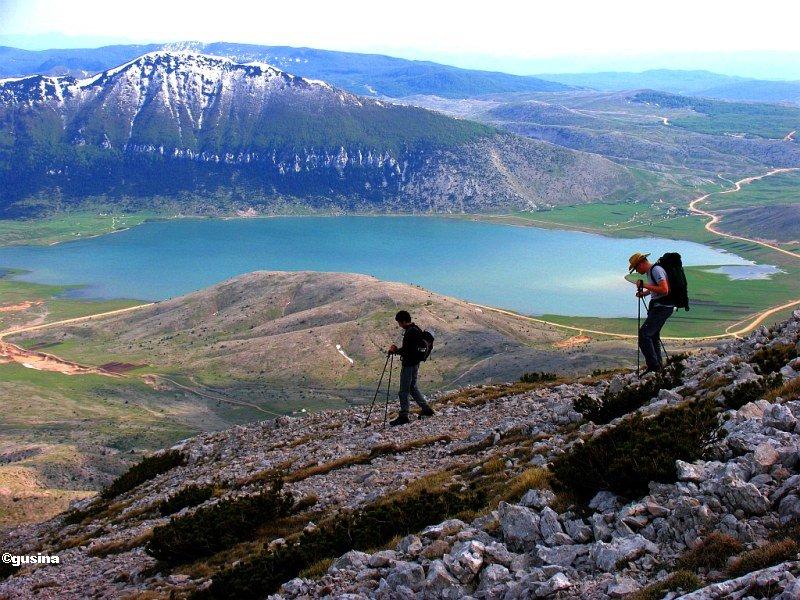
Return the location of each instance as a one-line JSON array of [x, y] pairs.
[[400, 420], [426, 412]]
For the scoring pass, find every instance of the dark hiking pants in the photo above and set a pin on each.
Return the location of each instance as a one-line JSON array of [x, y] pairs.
[[650, 334], [408, 385]]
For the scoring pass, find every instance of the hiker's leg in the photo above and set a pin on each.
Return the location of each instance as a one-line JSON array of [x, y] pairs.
[[662, 314], [650, 335], [419, 398], [646, 334], [406, 375]]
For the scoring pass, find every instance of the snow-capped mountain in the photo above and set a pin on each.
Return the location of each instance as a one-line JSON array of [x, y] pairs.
[[221, 132]]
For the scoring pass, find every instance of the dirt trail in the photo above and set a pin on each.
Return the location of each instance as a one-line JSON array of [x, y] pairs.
[[42, 361], [198, 390]]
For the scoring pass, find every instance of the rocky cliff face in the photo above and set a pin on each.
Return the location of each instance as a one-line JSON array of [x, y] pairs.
[[477, 495], [228, 135]]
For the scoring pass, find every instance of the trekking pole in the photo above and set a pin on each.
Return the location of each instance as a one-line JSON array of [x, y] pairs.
[[377, 389], [388, 388], [639, 286]]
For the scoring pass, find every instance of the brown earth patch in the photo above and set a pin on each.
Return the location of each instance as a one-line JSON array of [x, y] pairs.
[[20, 306], [574, 341]]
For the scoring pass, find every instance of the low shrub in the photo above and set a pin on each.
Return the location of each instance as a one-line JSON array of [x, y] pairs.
[[148, 468], [750, 391], [212, 528], [788, 391], [361, 529], [685, 581], [771, 359], [638, 450], [631, 397], [191, 495], [712, 552], [537, 377], [763, 557], [7, 570], [306, 502], [74, 516]]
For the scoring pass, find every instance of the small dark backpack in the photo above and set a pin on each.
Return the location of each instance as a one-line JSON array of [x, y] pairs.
[[678, 295], [426, 347]]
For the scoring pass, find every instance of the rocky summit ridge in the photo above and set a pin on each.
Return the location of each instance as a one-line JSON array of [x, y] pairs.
[[534, 490]]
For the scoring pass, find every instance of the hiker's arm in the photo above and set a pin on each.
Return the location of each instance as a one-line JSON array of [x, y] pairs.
[[402, 350], [662, 287]]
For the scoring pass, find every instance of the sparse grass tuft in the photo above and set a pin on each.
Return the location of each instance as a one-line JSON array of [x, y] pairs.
[[317, 570], [712, 552], [535, 477], [475, 396], [684, 581], [121, 545], [763, 557], [361, 459]]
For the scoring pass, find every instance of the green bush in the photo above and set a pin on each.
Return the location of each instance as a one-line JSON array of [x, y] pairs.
[[146, 469], [712, 552], [364, 528], [537, 377], [627, 457], [219, 526], [191, 495], [631, 397], [771, 359], [750, 391]]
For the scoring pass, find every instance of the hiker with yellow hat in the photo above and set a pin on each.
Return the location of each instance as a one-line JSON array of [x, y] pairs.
[[661, 307]]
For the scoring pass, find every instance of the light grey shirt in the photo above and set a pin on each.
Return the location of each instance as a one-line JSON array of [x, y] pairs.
[[657, 275]]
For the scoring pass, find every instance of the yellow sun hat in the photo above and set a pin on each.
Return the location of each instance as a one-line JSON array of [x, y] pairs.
[[635, 259]]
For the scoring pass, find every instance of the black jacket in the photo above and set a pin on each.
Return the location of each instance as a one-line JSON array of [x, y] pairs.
[[412, 341]]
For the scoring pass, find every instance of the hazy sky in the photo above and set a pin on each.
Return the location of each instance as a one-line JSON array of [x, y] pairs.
[[516, 33]]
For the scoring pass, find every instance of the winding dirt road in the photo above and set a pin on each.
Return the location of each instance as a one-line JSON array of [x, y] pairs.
[[715, 218], [751, 321]]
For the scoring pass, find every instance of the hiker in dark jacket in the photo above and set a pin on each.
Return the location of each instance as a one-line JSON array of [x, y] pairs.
[[409, 357], [661, 308]]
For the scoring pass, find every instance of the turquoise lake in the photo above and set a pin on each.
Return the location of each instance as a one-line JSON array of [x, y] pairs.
[[534, 271]]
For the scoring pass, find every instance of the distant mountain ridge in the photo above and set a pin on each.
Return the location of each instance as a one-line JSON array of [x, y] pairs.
[[379, 75], [212, 131], [364, 74], [691, 83]]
